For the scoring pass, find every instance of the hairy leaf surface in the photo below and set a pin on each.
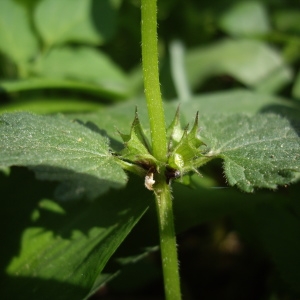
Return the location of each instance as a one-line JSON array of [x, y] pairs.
[[60, 149], [258, 151]]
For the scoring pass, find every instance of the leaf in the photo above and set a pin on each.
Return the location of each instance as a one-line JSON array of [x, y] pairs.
[[268, 131], [58, 83], [88, 21], [84, 65], [49, 105], [59, 149], [258, 151], [59, 250], [296, 87], [240, 101], [246, 19], [17, 40], [241, 59], [120, 116], [117, 118]]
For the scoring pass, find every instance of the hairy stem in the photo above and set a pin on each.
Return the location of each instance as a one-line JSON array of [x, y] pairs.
[[167, 241], [159, 147], [151, 80]]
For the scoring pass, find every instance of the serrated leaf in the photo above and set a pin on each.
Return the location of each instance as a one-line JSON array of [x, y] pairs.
[[235, 101], [60, 149], [17, 40], [216, 129], [74, 21], [258, 151]]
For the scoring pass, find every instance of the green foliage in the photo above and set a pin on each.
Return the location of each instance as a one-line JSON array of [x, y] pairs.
[[36, 37], [59, 149], [239, 69], [17, 39], [263, 151], [63, 246], [58, 27]]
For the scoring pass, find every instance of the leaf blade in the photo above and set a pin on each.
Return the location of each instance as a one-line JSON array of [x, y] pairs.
[[17, 40], [62, 247], [70, 21], [258, 151], [59, 149]]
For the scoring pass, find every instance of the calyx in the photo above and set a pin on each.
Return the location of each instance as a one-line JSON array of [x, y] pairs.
[[186, 151]]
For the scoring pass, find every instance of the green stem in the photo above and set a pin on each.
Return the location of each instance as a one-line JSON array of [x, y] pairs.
[[167, 241], [151, 80], [162, 190]]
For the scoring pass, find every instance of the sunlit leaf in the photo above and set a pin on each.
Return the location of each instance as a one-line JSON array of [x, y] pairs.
[[85, 21], [258, 151], [241, 59], [246, 18], [61, 150], [84, 65], [17, 40]]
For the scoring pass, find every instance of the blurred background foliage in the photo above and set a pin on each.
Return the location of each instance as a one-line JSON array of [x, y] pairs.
[[231, 56]]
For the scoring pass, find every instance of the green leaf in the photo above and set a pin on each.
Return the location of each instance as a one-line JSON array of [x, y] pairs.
[[59, 250], [245, 19], [235, 101], [62, 150], [91, 22], [49, 105], [54, 83], [240, 101], [241, 59], [17, 40], [296, 87], [258, 151], [84, 65], [217, 130], [117, 117]]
